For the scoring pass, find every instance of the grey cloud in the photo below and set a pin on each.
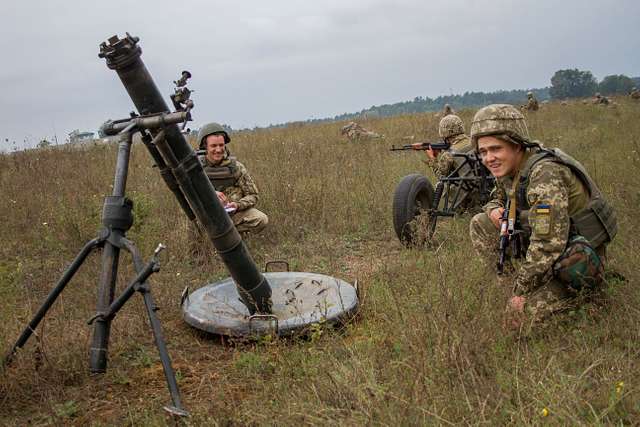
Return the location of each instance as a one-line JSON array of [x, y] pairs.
[[257, 62]]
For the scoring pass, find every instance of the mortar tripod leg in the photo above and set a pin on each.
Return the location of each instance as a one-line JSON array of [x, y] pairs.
[[53, 295]]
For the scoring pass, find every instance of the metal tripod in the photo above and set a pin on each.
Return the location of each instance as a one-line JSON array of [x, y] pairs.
[[117, 219]]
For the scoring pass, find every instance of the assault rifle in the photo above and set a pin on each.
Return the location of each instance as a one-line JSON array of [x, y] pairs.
[[422, 146], [509, 236]]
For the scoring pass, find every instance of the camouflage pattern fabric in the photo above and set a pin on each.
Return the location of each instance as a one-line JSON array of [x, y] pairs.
[[532, 104], [635, 94], [579, 266], [445, 163], [244, 193], [554, 193], [449, 126], [354, 132], [600, 100], [503, 119], [250, 220]]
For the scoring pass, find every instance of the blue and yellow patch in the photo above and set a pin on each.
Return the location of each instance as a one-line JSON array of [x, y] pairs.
[[542, 219]]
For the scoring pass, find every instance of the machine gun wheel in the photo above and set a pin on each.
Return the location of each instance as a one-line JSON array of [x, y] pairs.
[[412, 202]]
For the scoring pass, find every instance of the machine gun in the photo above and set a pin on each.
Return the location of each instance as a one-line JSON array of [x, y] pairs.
[[510, 236], [422, 146]]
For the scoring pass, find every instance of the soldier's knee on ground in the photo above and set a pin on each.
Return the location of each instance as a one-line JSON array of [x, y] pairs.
[[484, 238], [482, 232], [252, 220], [550, 298]]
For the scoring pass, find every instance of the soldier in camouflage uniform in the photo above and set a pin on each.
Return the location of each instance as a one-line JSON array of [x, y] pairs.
[[566, 222], [635, 93], [233, 184], [532, 102], [451, 130], [354, 132], [600, 100]]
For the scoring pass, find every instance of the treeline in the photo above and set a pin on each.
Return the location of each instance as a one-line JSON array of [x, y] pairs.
[[574, 83], [565, 84], [421, 104]]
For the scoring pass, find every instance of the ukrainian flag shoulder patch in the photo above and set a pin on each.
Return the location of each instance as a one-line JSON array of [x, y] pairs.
[[542, 219]]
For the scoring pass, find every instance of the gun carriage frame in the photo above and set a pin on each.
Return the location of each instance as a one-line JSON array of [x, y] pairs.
[[417, 205]]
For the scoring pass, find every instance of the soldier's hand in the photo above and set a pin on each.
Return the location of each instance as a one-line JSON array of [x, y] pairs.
[[432, 154], [515, 312], [495, 216], [516, 304], [222, 198]]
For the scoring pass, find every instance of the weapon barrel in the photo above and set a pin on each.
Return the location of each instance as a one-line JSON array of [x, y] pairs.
[[123, 56]]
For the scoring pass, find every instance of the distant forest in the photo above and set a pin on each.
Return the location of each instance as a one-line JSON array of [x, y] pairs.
[[568, 83], [425, 104]]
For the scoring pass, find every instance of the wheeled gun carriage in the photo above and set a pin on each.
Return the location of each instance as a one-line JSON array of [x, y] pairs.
[[417, 205]]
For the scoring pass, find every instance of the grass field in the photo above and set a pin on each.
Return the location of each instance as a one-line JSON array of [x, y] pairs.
[[427, 346]]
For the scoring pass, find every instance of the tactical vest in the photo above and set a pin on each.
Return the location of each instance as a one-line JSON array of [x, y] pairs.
[[222, 177], [597, 221]]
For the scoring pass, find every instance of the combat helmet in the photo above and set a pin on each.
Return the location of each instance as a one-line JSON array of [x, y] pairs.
[[499, 119], [529, 94], [211, 129], [449, 126]]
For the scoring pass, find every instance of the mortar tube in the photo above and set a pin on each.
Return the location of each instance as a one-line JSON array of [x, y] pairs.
[[123, 56]]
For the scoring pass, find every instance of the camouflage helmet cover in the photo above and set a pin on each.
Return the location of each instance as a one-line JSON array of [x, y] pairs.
[[211, 129], [529, 94], [499, 119], [450, 125]]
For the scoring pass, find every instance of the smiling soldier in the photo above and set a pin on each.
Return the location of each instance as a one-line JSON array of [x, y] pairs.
[[233, 184], [566, 222]]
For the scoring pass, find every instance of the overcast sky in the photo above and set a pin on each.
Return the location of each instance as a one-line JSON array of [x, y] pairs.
[[256, 62]]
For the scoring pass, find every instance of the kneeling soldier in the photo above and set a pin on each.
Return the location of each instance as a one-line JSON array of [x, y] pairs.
[[566, 222], [233, 184], [451, 130]]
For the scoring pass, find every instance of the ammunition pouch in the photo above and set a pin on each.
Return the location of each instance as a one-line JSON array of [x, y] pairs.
[[596, 222], [579, 266]]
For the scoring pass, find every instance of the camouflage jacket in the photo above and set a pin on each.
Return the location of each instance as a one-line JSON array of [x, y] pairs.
[[240, 188], [532, 104], [554, 194], [445, 163]]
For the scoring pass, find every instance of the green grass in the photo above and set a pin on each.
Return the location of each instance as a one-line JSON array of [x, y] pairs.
[[427, 346]]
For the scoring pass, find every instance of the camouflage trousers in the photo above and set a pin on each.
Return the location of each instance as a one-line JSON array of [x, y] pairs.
[[551, 297], [250, 220]]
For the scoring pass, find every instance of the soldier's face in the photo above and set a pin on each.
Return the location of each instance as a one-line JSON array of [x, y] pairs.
[[215, 148], [500, 157]]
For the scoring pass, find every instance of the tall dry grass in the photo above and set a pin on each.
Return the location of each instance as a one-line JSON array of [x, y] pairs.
[[428, 346]]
